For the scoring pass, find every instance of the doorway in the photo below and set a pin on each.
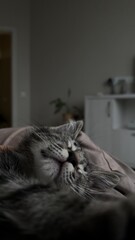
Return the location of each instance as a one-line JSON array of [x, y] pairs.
[[5, 79]]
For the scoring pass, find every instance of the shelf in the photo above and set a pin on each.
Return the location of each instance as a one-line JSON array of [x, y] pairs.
[[113, 96], [124, 130]]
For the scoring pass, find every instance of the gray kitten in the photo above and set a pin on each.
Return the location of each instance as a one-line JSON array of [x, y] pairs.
[[38, 185], [57, 157]]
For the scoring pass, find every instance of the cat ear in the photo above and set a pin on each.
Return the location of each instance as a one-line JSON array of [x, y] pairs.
[[77, 127], [72, 128]]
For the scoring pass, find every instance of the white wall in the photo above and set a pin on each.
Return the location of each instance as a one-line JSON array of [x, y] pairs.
[[78, 43], [15, 16]]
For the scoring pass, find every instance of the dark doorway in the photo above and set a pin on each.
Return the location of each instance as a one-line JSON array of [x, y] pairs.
[[5, 79]]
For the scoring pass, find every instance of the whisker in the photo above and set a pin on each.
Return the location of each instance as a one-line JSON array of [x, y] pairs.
[[86, 192], [37, 134]]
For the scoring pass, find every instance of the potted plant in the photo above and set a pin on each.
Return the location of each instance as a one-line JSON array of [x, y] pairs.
[[69, 112]]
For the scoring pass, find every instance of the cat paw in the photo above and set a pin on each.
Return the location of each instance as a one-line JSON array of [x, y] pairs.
[[68, 173], [81, 170]]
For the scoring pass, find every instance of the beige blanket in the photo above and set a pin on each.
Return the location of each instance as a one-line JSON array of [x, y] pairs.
[[12, 136]]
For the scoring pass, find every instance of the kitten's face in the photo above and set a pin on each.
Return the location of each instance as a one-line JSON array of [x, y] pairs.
[[58, 156], [53, 149]]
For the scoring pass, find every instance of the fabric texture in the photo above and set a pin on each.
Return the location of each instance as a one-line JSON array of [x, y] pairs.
[[11, 137], [110, 163]]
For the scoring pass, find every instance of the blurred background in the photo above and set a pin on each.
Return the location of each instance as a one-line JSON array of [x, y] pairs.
[[60, 50]]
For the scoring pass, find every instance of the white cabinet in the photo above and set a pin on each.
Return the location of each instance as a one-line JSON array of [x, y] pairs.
[[123, 145], [110, 123], [98, 121]]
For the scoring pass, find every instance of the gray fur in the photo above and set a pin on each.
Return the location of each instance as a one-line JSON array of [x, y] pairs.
[[54, 154], [38, 197]]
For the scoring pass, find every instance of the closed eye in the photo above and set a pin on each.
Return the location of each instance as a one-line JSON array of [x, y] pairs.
[[76, 144]]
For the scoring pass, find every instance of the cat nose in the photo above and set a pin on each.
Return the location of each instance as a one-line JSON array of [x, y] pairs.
[[69, 149]]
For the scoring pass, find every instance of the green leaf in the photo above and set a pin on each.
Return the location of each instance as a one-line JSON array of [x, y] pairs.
[[58, 104]]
